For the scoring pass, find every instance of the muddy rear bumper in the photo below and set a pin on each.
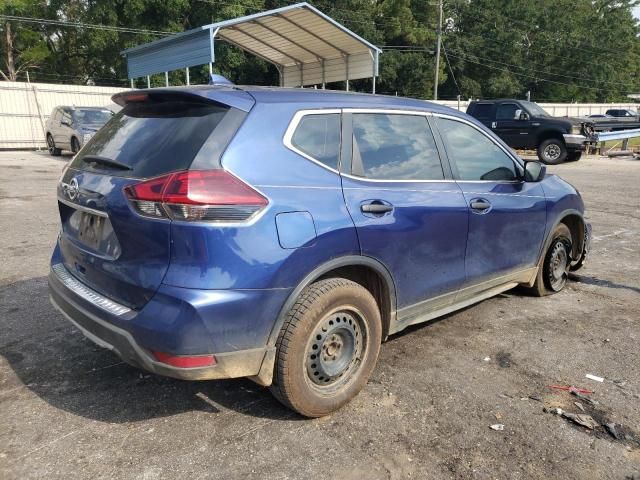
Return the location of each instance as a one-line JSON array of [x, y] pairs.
[[99, 329]]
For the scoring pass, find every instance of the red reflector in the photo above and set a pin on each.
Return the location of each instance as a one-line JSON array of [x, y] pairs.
[[185, 361]]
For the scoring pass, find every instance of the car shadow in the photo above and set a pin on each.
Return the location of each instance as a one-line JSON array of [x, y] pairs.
[[52, 359], [601, 283]]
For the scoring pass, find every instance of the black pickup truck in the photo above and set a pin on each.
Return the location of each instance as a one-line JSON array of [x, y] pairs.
[[526, 125]]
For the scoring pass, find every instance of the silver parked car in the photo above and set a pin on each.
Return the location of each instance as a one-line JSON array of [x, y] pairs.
[[69, 128]]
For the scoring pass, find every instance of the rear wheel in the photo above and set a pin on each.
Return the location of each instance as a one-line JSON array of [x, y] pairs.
[[552, 151], [574, 156], [51, 146], [327, 348], [554, 271]]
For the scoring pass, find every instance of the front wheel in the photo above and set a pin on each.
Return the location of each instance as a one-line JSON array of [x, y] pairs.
[[75, 145], [51, 146], [554, 271], [552, 151], [327, 348]]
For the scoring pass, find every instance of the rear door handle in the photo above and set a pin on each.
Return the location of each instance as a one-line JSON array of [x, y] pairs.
[[480, 204], [376, 207]]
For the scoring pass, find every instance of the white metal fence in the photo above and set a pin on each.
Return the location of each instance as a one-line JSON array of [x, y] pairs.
[[24, 108]]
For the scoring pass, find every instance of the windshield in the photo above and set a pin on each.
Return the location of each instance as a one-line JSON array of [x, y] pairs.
[[535, 109], [86, 116]]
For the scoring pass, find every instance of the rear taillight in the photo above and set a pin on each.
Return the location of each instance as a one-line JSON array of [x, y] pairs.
[[203, 196]]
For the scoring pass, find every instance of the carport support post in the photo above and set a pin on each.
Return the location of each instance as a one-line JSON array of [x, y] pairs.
[[166, 79], [323, 75], [132, 85], [187, 70], [374, 84], [148, 81], [346, 68]]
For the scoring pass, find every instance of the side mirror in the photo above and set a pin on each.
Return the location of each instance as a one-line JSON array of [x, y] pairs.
[[517, 115], [524, 116], [534, 171], [65, 122]]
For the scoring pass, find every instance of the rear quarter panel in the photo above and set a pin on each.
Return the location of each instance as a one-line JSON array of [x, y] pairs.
[[250, 256]]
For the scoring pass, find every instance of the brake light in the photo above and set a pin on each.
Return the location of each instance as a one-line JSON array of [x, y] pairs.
[[196, 195], [185, 361]]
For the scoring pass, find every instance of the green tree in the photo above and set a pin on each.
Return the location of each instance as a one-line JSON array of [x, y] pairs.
[[22, 46]]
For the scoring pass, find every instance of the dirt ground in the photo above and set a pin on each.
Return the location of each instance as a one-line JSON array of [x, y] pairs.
[[69, 409]]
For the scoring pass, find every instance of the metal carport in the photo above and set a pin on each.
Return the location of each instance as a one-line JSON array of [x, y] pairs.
[[306, 46]]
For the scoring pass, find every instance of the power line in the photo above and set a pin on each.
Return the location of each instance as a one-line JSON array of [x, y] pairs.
[[451, 69], [545, 72], [46, 21], [536, 77]]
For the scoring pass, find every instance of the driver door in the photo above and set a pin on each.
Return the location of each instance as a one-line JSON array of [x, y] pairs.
[[515, 132], [507, 216]]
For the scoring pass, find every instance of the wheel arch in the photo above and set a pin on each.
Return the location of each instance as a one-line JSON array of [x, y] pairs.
[[574, 220], [366, 271], [547, 134]]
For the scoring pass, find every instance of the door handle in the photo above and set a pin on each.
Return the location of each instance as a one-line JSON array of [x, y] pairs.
[[480, 204], [376, 207]]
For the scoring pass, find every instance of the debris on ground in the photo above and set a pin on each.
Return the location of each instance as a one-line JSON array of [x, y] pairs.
[[589, 400], [537, 398], [497, 426], [579, 418], [579, 405], [594, 377], [498, 416], [571, 388], [611, 428]]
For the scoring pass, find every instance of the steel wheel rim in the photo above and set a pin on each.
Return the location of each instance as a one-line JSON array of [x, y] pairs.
[[336, 350], [552, 152], [558, 263]]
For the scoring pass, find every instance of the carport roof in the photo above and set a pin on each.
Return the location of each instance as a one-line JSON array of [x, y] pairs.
[[304, 44]]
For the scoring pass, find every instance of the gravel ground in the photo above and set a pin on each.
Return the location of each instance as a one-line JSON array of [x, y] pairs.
[[69, 409]]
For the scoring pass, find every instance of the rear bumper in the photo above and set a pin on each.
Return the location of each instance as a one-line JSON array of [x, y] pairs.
[[107, 331]]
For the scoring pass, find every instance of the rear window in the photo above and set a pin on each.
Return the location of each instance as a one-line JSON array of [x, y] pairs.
[[152, 138]]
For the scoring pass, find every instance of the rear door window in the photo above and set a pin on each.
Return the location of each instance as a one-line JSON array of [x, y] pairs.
[[318, 137], [394, 147], [152, 138], [482, 111]]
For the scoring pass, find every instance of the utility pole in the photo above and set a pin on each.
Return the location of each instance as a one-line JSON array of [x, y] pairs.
[[439, 40]]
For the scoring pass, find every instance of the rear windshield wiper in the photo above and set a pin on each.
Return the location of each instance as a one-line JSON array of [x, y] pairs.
[[105, 162]]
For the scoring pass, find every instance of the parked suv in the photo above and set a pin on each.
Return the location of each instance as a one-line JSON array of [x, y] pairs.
[[282, 234], [69, 128], [526, 125]]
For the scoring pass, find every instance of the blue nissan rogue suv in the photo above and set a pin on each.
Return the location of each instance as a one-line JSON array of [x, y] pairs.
[[282, 234]]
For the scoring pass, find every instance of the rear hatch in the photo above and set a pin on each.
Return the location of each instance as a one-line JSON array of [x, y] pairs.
[[104, 242]]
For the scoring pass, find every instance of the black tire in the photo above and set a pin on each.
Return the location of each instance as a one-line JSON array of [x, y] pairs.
[[552, 151], [554, 271], [75, 145], [51, 146], [573, 156], [327, 348]]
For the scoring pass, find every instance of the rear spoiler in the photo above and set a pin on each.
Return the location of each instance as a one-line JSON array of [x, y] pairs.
[[214, 96]]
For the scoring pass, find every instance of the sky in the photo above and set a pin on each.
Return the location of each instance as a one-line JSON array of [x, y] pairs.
[[636, 12]]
